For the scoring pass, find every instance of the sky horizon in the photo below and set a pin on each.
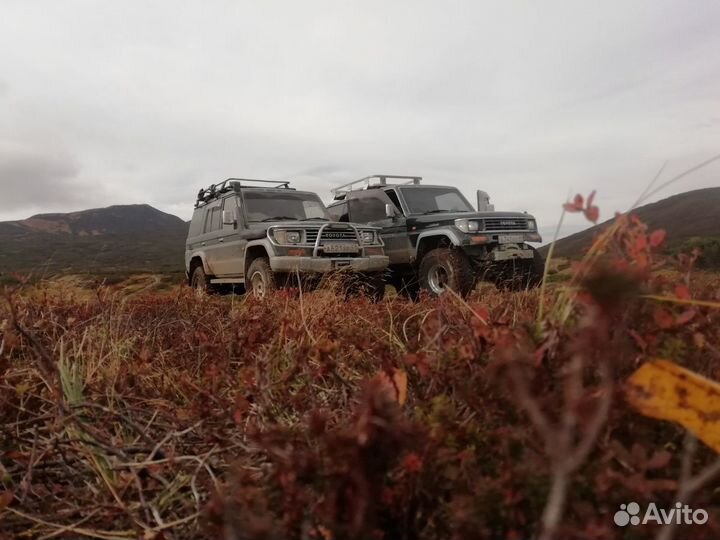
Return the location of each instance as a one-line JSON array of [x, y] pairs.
[[104, 104]]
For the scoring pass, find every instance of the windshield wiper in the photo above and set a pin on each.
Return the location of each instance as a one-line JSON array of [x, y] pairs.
[[315, 218], [279, 218], [437, 211]]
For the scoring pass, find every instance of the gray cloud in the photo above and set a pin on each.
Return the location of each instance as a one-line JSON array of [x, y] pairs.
[[529, 102], [28, 176]]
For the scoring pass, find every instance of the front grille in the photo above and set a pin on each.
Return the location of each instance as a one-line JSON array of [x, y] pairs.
[[311, 235], [341, 234], [506, 224]]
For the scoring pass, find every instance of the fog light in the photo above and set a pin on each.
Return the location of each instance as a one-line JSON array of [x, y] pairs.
[[297, 252]]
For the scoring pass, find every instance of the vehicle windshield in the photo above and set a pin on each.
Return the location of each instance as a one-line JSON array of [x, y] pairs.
[[435, 200], [281, 205]]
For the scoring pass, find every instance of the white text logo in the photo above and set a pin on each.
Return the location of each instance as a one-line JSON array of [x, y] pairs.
[[680, 514]]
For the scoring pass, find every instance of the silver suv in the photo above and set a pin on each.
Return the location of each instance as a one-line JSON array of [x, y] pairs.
[[261, 234]]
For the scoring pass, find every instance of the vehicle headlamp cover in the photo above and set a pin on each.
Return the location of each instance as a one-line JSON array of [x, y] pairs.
[[284, 236], [368, 237], [532, 225], [469, 225]]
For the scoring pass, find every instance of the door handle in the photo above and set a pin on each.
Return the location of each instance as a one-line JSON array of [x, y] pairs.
[[202, 244], [222, 240]]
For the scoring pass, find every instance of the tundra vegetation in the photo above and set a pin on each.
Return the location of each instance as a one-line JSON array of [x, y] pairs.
[[506, 415]]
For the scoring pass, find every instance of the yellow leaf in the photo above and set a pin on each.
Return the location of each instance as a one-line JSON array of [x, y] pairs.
[[662, 389], [400, 379]]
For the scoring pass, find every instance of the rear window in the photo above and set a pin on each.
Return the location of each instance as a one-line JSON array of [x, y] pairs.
[[213, 221]]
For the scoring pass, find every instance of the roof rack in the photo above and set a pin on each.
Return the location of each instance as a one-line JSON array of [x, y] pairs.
[[366, 182], [236, 184]]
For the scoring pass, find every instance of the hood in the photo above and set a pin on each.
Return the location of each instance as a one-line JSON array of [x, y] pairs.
[[447, 217]]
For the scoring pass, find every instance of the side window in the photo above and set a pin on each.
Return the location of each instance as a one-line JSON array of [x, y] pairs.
[[313, 210], [213, 221], [367, 209], [339, 212], [197, 223], [394, 198], [230, 204]]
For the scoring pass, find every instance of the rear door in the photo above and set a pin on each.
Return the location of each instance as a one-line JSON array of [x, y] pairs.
[[231, 246], [209, 240]]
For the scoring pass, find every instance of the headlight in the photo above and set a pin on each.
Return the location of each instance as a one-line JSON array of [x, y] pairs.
[[468, 225], [368, 237], [532, 225], [287, 237]]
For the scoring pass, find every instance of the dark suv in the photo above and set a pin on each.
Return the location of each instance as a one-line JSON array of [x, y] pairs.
[[436, 239], [261, 234]]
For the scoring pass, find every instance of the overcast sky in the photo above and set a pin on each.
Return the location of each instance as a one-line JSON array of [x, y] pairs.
[[124, 102]]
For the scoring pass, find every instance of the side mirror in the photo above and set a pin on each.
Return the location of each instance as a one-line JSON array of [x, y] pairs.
[[228, 217], [390, 211]]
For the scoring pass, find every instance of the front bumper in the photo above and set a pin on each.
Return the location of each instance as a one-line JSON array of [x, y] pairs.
[[509, 252], [323, 265]]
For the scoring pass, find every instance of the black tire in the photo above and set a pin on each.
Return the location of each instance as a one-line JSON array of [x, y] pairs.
[[260, 278], [374, 286], [199, 281], [371, 286], [407, 287], [444, 268], [537, 270], [520, 275]]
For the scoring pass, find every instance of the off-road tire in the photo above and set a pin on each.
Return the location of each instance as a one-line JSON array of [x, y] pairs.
[[260, 278], [407, 287], [199, 280], [374, 286], [446, 268], [371, 286], [521, 275], [537, 270]]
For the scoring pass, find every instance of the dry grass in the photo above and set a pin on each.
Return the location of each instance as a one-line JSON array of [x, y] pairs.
[[128, 413]]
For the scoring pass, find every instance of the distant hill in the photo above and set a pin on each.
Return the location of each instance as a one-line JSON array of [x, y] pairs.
[[117, 238], [689, 215]]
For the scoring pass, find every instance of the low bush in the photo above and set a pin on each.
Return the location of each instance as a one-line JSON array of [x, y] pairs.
[[308, 416]]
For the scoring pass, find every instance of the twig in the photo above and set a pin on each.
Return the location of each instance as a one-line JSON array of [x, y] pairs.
[[689, 484], [92, 533]]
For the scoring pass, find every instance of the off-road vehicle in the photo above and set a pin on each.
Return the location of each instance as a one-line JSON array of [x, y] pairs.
[[435, 239], [257, 235]]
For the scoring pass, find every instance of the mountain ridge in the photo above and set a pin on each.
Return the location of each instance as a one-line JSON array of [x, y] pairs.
[[687, 215], [132, 237]]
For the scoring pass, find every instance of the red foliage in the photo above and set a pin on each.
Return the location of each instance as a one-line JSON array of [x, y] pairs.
[[281, 419]]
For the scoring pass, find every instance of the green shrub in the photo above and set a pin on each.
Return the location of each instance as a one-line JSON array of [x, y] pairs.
[[709, 251]]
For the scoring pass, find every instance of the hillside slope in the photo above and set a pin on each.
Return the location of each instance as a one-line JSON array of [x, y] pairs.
[[693, 214], [116, 238]]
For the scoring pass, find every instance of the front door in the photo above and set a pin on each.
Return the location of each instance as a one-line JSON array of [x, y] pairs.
[[369, 207]]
